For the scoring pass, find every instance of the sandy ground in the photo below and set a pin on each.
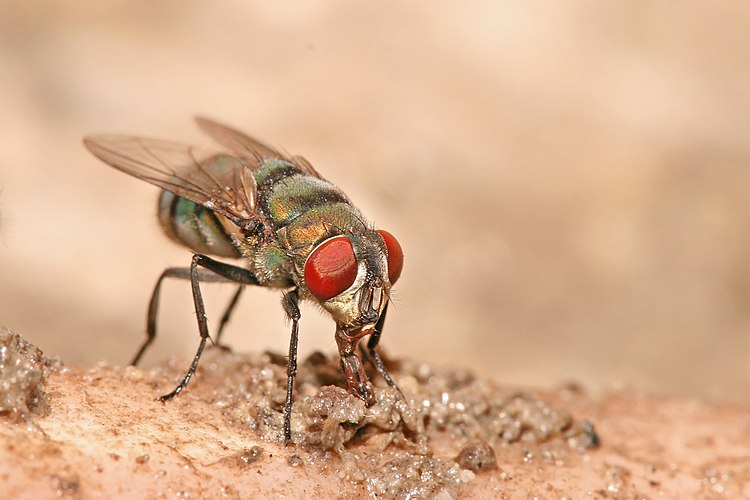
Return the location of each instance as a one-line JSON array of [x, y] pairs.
[[99, 433]]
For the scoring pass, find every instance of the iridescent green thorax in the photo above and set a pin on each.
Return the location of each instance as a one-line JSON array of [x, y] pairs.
[[303, 210], [293, 196], [303, 234], [285, 192]]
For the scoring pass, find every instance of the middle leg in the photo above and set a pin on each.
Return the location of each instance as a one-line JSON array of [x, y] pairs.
[[229, 273]]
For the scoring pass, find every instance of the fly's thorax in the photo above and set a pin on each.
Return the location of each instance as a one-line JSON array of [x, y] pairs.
[[297, 195], [286, 192], [273, 169], [311, 228], [197, 227]]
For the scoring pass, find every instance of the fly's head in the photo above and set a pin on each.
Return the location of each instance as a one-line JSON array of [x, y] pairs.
[[351, 277]]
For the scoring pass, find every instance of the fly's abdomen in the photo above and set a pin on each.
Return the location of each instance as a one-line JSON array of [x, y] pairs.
[[195, 226]]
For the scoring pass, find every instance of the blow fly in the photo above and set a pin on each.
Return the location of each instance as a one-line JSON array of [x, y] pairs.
[[294, 230]]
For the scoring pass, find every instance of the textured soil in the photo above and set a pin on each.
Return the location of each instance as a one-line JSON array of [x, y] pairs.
[[100, 432]]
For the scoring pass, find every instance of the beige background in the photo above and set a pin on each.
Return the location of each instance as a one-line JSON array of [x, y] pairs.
[[569, 181]]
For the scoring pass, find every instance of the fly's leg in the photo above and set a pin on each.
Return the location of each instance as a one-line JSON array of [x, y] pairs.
[[153, 307], [291, 307], [182, 273], [221, 272], [228, 313], [372, 344]]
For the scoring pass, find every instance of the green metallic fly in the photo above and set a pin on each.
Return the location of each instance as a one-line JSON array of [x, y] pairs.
[[296, 232]]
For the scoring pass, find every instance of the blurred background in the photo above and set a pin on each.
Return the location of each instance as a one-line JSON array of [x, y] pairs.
[[569, 180]]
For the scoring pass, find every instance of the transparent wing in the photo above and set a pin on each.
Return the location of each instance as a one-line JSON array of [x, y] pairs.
[[247, 147], [216, 180]]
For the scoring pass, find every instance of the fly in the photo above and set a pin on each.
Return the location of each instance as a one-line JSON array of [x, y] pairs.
[[294, 230]]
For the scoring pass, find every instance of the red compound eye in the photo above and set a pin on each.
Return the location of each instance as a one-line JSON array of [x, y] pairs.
[[395, 255], [331, 268]]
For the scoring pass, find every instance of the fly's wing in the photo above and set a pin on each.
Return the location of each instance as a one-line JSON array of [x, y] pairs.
[[216, 180], [247, 147]]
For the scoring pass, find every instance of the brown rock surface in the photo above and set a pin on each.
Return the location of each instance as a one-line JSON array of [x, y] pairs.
[[106, 436]]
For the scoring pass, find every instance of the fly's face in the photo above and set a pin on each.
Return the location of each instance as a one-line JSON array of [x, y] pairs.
[[351, 278]]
